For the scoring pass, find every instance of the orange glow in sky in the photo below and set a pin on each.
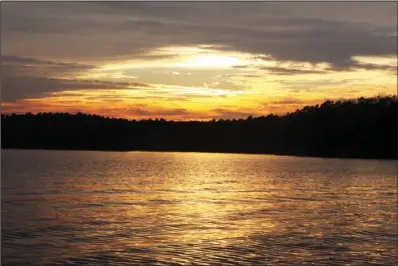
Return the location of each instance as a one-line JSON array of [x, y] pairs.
[[209, 66]]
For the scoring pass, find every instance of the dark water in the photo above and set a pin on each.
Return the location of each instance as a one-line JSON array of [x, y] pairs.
[[111, 208]]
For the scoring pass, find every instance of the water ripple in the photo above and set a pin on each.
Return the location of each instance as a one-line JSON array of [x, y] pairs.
[[196, 209]]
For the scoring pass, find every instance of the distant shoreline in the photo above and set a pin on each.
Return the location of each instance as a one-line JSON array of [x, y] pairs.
[[215, 152], [365, 128]]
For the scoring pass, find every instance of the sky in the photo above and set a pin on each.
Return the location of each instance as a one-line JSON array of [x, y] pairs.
[[193, 60]]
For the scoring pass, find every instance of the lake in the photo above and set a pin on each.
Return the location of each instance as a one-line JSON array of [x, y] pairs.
[[154, 208]]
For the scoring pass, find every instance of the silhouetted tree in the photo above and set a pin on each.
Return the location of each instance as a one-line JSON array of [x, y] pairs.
[[362, 128]]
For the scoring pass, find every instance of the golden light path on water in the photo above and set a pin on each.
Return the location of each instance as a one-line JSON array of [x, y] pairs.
[[196, 208]]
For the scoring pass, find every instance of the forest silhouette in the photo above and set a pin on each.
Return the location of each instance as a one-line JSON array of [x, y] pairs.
[[361, 128]]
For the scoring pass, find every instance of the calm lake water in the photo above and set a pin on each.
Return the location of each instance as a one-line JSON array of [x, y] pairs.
[[149, 208]]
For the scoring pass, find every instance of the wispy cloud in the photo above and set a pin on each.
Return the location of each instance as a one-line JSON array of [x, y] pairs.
[[28, 77], [291, 71]]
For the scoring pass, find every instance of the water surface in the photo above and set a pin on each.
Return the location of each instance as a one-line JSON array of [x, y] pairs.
[[132, 208]]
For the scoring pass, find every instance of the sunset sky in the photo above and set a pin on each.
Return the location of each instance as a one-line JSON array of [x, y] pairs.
[[193, 60]]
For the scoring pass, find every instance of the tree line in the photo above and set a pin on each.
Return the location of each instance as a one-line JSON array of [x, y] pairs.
[[361, 128]]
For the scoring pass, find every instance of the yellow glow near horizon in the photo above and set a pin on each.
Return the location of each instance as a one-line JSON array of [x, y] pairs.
[[202, 79]]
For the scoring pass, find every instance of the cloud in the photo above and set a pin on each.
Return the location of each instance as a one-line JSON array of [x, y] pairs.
[[26, 78], [231, 114], [29, 77], [157, 113], [288, 101], [315, 85], [15, 66], [291, 71], [306, 32], [370, 66], [14, 88]]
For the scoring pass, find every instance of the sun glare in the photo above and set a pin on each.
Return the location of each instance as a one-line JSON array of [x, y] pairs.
[[177, 57], [211, 61]]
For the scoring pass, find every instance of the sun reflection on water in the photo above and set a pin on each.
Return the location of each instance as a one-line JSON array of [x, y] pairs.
[[159, 208]]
